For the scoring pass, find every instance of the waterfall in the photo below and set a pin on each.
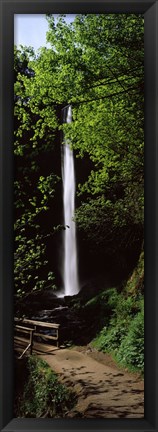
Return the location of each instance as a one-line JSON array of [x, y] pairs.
[[70, 270]]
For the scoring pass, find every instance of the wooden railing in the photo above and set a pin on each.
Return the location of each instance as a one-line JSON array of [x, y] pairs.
[[33, 328]]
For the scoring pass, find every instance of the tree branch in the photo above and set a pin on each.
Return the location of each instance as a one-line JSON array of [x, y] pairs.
[[107, 96]]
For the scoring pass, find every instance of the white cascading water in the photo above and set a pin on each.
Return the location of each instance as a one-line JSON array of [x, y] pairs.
[[71, 284]]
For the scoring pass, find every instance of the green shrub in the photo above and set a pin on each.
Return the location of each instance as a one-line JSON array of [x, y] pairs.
[[131, 350], [110, 337], [123, 336], [98, 310], [43, 395]]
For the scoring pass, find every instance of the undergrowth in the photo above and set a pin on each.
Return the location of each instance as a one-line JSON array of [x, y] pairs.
[[123, 333], [42, 394]]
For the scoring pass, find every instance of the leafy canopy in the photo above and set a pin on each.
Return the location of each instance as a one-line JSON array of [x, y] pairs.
[[95, 64]]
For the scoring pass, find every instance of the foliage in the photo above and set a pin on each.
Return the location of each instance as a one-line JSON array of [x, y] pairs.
[[123, 333], [43, 395], [96, 65], [131, 350], [34, 190], [108, 127]]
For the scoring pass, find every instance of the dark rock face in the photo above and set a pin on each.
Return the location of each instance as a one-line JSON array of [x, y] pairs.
[[79, 321], [69, 312], [72, 325]]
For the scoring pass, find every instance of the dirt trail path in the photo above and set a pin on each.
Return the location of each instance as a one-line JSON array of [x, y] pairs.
[[103, 391]]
